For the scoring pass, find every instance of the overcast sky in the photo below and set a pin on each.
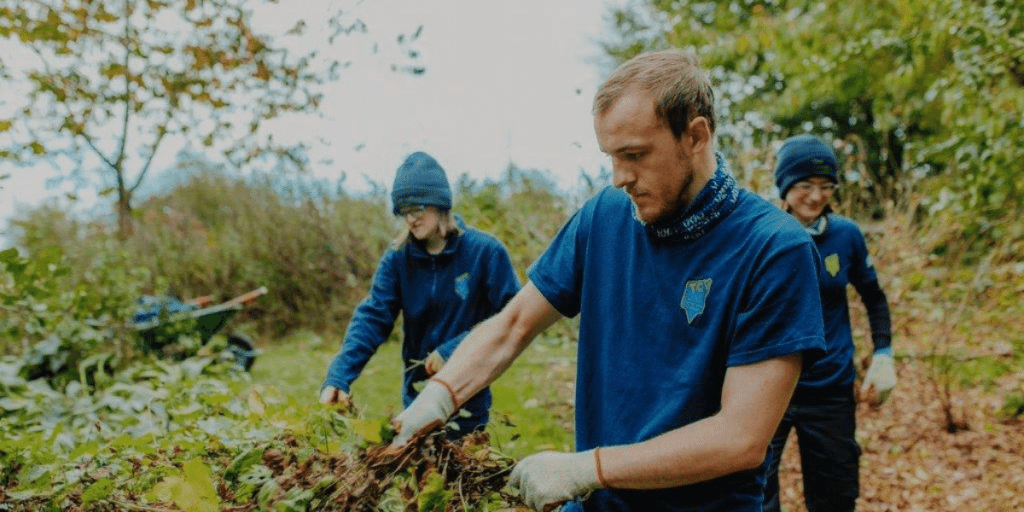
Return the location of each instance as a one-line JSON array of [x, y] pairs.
[[507, 81], [504, 81]]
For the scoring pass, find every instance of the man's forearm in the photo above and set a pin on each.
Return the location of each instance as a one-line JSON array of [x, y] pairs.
[[753, 402], [483, 356], [701, 451], [491, 347]]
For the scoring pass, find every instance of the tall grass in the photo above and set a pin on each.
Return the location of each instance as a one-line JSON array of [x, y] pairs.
[[314, 246]]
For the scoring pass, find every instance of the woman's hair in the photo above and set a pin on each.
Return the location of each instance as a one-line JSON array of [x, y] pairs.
[[446, 225], [681, 88]]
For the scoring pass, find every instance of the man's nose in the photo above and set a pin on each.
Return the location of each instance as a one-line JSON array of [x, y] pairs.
[[622, 175]]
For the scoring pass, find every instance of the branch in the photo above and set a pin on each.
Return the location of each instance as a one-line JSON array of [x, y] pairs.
[[162, 131], [88, 140], [127, 99]]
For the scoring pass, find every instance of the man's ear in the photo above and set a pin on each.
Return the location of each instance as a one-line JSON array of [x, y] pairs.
[[699, 133]]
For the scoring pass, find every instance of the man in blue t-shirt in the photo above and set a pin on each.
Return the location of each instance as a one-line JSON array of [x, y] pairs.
[[687, 288]]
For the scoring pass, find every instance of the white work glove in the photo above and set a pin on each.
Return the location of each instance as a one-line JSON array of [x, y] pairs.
[[551, 478], [881, 376], [331, 395], [431, 408], [433, 363]]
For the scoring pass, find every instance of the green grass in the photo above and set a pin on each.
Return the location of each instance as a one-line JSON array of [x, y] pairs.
[[532, 408]]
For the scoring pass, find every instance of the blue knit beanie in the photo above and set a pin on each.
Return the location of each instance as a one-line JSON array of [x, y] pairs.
[[801, 157], [420, 180]]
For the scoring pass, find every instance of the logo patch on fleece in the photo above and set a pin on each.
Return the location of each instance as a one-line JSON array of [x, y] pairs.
[[832, 264], [694, 298], [462, 285]]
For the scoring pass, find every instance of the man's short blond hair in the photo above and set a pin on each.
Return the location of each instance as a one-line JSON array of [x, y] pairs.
[[680, 86]]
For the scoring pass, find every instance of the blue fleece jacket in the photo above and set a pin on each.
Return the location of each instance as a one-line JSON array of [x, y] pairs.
[[441, 297], [845, 261]]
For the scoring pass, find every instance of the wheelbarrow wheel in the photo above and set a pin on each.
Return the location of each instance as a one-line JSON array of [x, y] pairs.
[[242, 350]]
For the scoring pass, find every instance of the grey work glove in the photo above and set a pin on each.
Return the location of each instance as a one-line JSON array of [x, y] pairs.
[[431, 408], [881, 376], [549, 478]]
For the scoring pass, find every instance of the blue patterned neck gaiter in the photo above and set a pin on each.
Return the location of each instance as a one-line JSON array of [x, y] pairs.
[[716, 200]]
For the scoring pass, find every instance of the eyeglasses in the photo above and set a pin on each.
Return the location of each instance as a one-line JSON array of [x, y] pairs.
[[412, 213], [806, 188]]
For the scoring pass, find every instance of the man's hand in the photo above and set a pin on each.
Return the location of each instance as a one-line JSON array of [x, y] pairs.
[[433, 363], [881, 376], [431, 408], [332, 395], [551, 478]]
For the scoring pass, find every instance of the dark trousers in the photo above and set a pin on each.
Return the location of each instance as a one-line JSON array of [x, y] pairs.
[[829, 455]]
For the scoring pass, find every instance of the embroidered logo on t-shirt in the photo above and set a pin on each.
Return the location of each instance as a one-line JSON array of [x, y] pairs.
[[694, 297], [832, 264], [462, 285]]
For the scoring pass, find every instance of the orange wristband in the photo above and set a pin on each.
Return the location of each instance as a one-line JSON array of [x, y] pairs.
[[455, 401], [597, 464]]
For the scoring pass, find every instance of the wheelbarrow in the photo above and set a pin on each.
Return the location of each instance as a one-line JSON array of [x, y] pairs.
[[154, 313]]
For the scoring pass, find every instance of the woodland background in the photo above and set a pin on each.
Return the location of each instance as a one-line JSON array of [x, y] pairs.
[[922, 100]]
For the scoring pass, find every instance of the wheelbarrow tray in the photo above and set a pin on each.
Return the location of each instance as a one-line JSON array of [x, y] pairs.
[[209, 321]]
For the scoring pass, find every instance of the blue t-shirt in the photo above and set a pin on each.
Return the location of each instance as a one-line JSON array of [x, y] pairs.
[[662, 319], [441, 297], [845, 260]]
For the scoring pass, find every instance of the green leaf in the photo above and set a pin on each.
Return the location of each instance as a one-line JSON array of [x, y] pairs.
[[194, 491], [266, 494], [98, 491], [433, 497], [295, 500], [107, 17], [370, 431], [84, 449], [36, 477], [196, 471], [742, 44], [243, 462]]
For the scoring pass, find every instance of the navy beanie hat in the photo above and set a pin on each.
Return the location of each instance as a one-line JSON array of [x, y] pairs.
[[420, 180], [801, 157]]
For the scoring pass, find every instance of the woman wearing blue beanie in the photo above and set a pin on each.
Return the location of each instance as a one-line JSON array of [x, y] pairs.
[[441, 275], [823, 407]]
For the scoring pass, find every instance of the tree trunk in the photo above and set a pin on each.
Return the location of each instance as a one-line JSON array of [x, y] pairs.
[[125, 225]]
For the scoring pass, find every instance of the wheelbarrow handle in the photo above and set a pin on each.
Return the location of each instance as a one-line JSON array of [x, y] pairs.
[[249, 297]]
